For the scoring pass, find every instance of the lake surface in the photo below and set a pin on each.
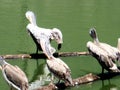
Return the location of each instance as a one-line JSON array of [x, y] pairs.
[[74, 18]]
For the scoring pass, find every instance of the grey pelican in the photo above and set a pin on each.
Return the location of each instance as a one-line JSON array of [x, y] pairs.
[[59, 69], [36, 32], [104, 57], [14, 76]]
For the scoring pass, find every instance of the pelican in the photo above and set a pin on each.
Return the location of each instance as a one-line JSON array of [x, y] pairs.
[[118, 45], [104, 57], [14, 76], [113, 52], [59, 69], [35, 32]]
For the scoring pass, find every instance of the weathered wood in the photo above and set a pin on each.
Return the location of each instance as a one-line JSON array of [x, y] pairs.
[[81, 80], [41, 55], [17, 56], [86, 79], [67, 54]]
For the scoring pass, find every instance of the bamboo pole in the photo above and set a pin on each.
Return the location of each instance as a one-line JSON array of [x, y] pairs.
[[41, 55]]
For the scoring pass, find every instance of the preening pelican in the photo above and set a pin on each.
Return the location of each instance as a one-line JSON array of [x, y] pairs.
[[36, 32], [102, 52], [14, 76], [59, 69]]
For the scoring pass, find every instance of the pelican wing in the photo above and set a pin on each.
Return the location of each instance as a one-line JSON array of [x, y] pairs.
[[112, 51], [94, 48], [60, 69], [36, 41], [14, 78], [21, 72], [102, 56], [45, 45]]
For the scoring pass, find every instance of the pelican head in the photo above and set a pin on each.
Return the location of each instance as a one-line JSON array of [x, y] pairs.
[[93, 33], [2, 61], [31, 17], [57, 35]]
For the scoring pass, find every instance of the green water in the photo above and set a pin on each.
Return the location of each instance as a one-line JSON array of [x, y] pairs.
[[74, 18]]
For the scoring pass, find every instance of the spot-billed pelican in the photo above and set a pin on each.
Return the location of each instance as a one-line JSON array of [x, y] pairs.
[[102, 54], [14, 76], [59, 69], [36, 31]]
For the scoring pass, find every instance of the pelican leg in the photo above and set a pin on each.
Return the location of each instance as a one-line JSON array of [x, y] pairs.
[[45, 45], [52, 79], [103, 83], [102, 70], [10, 87], [37, 50], [119, 62], [58, 81]]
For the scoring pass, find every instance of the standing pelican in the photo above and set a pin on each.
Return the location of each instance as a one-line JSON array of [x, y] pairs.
[[59, 69], [104, 57], [36, 31], [113, 52], [14, 76]]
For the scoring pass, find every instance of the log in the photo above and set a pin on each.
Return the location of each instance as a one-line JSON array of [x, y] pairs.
[[67, 54], [80, 80], [42, 55]]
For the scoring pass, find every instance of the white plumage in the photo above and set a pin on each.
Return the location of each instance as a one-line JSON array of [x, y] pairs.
[[104, 53], [103, 57], [38, 33], [14, 76], [59, 69], [113, 52]]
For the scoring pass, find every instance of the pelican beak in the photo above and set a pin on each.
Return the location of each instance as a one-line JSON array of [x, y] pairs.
[[59, 46]]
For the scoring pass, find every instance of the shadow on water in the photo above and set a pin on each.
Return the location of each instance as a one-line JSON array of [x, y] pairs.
[[25, 66], [39, 55], [41, 76], [40, 71], [107, 75], [109, 86]]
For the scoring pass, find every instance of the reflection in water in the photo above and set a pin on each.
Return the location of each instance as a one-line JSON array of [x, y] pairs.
[[41, 76], [109, 86]]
